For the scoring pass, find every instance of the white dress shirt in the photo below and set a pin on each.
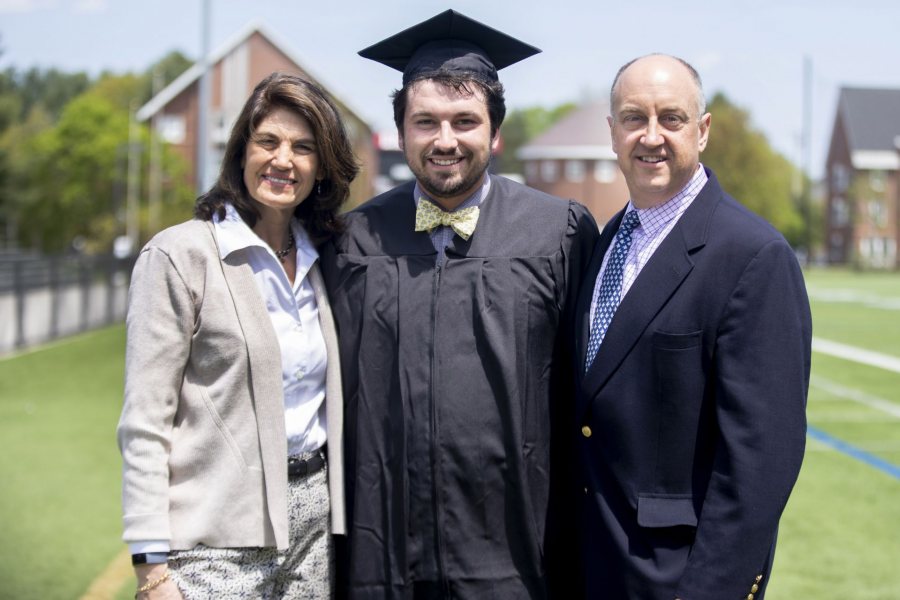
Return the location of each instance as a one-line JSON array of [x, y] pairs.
[[295, 318], [656, 223]]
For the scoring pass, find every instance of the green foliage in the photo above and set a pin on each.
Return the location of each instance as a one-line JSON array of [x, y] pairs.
[[122, 91], [750, 170], [77, 164], [165, 71], [49, 89], [522, 125], [63, 180], [17, 158], [10, 109]]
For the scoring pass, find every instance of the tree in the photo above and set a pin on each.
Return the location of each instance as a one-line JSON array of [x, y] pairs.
[[50, 89], [166, 70], [64, 144], [522, 125], [77, 173], [750, 170]]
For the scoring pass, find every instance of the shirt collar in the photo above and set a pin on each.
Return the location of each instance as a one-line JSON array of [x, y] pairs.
[[234, 234], [656, 217], [475, 199]]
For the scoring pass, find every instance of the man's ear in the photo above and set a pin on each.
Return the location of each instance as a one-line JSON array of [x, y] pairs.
[[705, 122], [612, 134]]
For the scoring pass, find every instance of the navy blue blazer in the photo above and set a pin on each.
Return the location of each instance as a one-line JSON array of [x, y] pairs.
[[691, 420]]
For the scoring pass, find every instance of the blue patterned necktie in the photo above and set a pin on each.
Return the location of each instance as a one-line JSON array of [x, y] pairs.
[[611, 286]]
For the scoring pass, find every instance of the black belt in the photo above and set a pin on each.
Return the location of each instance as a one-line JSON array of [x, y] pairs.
[[299, 467]]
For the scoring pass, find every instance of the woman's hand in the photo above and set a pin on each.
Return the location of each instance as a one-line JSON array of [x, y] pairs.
[[166, 590]]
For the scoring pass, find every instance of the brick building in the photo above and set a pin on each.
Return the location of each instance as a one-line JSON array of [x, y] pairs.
[[862, 171], [574, 159], [236, 68]]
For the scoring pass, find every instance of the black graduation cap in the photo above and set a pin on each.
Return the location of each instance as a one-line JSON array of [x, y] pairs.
[[449, 41]]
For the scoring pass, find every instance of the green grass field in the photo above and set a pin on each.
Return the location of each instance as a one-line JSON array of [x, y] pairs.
[[59, 509], [839, 535]]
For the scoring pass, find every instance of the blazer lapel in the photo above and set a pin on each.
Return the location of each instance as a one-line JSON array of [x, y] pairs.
[[657, 282], [264, 357]]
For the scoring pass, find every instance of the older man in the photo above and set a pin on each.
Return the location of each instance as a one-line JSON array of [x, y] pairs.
[[449, 293], [693, 337]]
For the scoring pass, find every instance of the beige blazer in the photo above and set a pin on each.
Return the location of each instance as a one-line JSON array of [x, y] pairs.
[[202, 434]]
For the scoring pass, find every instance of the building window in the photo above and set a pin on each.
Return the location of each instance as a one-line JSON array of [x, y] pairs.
[[840, 212], [575, 171], [877, 213], [531, 170], [836, 246], [549, 171], [876, 180], [605, 171], [879, 252], [840, 178], [171, 128], [865, 249]]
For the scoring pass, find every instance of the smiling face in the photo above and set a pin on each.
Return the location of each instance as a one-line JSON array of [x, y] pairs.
[[446, 139], [280, 163], [657, 132]]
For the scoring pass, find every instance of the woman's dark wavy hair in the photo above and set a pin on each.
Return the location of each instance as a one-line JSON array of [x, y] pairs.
[[319, 211], [463, 84]]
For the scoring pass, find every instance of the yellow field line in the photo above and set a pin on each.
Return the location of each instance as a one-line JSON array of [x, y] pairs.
[[111, 580]]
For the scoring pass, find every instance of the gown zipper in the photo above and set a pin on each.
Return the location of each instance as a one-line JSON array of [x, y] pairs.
[[438, 539]]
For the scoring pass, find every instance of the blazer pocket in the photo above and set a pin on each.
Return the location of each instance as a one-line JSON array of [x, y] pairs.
[[222, 429], [677, 341], [658, 510]]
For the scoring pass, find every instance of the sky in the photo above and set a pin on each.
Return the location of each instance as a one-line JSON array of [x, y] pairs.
[[753, 52]]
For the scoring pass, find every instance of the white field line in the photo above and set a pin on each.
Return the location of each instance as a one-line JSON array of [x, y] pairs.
[[859, 355], [849, 296], [835, 389]]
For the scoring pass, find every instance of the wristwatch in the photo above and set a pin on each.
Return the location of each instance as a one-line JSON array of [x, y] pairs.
[[149, 558]]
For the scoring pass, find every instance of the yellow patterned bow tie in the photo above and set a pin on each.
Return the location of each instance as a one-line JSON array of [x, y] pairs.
[[429, 216]]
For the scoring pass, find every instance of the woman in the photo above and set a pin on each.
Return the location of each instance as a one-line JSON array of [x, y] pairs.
[[232, 382]]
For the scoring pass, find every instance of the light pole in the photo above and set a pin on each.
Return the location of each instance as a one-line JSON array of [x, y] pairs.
[[203, 102]]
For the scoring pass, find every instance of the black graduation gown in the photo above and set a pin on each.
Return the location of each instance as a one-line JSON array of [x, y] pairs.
[[451, 376]]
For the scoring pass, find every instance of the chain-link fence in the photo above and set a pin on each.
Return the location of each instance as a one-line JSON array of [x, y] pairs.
[[44, 298]]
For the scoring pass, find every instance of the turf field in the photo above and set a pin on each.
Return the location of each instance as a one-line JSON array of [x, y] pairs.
[[840, 536]]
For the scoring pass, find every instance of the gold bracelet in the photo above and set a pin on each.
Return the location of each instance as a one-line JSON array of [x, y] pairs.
[[152, 584]]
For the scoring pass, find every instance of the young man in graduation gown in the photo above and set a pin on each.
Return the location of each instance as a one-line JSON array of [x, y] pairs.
[[449, 293]]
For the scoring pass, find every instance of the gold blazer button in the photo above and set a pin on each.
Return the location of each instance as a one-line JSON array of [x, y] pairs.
[[586, 431]]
